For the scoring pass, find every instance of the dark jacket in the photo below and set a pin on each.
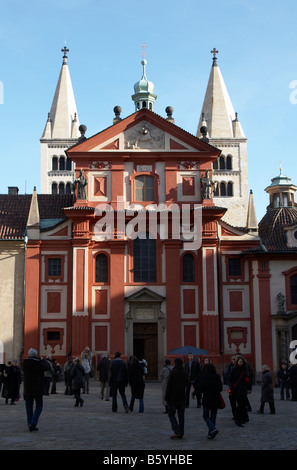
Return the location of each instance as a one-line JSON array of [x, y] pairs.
[[77, 373], [136, 379], [34, 368], [239, 380], [118, 372], [194, 370], [103, 369], [176, 387], [210, 388], [283, 374], [267, 387]]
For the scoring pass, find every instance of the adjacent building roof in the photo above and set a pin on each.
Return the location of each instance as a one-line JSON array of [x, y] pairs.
[[272, 225], [14, 211]]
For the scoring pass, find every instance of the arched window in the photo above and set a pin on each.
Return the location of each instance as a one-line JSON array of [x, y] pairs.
[[216, 189], [101, 268], [215, 165], [68, 164], [68, 188], [62, 163], [222, 162], [223, 189], [55, 163], [144, 188], [54, 188], [144, 259], [229, 162], [230, 189], [188, 268], [61, 188]]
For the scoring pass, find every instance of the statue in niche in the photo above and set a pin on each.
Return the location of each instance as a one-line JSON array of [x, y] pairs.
[[82, 185], [207, 186], [281, 301]]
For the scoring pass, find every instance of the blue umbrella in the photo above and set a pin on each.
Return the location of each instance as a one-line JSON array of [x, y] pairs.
[[185, 350]]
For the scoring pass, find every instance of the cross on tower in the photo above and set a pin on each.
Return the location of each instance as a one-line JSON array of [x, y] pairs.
[[214, 52], [65, 50]]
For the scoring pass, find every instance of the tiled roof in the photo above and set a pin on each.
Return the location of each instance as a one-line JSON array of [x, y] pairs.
[[271, 227], [14, 211]]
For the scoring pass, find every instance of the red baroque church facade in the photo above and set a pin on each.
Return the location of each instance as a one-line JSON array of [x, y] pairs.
[[92, 281], [145, 238]]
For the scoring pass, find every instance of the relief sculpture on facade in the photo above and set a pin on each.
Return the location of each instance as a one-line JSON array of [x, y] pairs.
[[144, 136]]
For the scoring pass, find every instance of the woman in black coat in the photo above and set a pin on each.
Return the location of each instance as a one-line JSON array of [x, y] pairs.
[[210, 388], [239, 386], [267, 395], [137, 384], [77, 373]]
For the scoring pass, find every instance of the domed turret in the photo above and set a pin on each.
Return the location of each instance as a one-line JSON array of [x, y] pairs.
[[144, 96]]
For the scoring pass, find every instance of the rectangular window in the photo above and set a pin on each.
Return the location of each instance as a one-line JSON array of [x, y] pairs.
[[144, 260], [293, 282], [53, 335], [144, 188], [54, 267], [234, 267]]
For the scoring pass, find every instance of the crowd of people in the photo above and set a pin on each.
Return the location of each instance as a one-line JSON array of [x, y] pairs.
[[179, 382]]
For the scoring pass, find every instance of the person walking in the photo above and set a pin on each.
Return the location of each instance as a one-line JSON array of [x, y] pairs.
[[137, 383], [118, 381], [267, 395], [293, 381], [175, 397], [77, 373], [164, 378], [189, 370], [197, 375], [210, 387], [13, 383], [232, 398], [48, 376], [86, 361], [33, 369], [240, 386], [67, 376], [283, 377], [103, 369]]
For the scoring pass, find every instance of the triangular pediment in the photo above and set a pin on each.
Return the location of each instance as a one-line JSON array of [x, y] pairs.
[[145, 295], [143, 131]]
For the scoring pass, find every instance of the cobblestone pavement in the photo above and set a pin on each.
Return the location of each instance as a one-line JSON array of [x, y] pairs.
[[95, 427]]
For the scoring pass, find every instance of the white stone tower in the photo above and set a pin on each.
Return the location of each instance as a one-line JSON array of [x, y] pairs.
[[224, 131], [60, 132]]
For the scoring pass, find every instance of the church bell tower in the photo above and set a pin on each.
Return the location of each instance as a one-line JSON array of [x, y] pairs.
[[60, 132]]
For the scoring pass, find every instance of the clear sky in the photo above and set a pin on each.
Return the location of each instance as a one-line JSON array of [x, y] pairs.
[[257, 43]]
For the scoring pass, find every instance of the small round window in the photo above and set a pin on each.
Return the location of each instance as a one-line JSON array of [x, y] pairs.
[[295, 234]]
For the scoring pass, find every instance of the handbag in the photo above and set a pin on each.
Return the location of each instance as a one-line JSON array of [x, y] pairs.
[[222, 402]]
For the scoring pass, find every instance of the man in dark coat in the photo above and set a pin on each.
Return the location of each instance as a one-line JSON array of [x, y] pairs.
[[137, 383], [14, 380], [103, 369], [118, 381], [175, 397], [77, 374], [34, 368]]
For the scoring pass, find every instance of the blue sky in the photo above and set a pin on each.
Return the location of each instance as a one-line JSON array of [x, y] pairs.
[[257, 55]]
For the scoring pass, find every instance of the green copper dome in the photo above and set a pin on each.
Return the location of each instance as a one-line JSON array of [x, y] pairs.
[[144, 96]]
